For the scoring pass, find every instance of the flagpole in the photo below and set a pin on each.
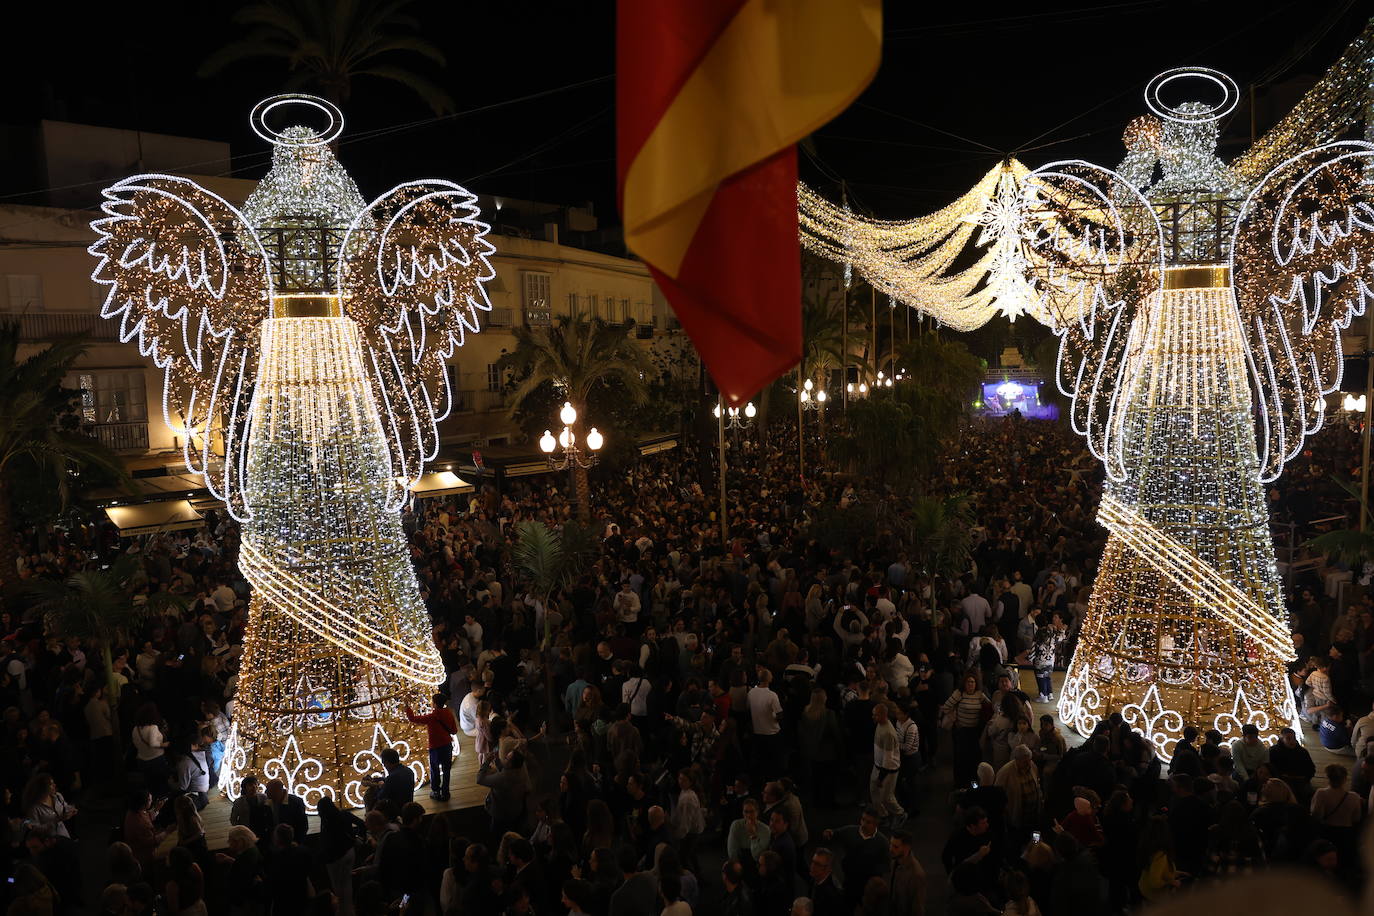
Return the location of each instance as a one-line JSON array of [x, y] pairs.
[[720, 429]]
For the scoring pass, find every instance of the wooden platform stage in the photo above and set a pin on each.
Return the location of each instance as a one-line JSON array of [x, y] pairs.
[[464, 793]]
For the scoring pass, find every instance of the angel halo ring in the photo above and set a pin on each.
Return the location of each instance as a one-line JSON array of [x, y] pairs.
[[1230, 95], [258, 118]]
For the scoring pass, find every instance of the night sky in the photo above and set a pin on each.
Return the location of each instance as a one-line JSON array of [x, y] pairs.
[[961, 85]]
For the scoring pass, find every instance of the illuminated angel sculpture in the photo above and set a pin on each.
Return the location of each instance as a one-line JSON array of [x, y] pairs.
[[1196, 373], [303, 340], [1199, 307]]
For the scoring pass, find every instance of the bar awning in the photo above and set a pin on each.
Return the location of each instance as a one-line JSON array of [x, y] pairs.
[[657, 444], [439, 483], [150, 518]]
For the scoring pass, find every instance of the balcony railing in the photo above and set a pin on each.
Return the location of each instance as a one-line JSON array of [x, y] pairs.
[[499, 318], [42, 326], [477, 400], [121, 437]]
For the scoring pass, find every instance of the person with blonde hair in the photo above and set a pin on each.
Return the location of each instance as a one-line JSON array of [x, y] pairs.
[[819, 739], [246, 870], [1285, 827]]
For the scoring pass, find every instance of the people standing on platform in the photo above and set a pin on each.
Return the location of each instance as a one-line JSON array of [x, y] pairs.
[[440, 727]]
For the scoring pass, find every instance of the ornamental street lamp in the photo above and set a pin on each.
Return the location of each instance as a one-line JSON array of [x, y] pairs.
[[573, 456], [812, 398], [734, 418]]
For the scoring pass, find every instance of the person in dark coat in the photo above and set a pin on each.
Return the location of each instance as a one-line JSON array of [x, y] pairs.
[[398, 786], [738, 901], [827, 898], [1077, 889], [401, 861], [1189, 818], [774, 897], [288, 872], [286, 809], [780, 828]]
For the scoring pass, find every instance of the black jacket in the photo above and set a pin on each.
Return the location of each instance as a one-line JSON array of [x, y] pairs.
[[290, 811]]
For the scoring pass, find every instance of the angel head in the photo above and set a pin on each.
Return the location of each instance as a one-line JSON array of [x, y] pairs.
[[191, 278], [1188, 140]]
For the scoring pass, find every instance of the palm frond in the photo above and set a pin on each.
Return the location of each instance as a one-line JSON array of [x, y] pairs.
[[1346, 545], [538, 553], [438, 100]]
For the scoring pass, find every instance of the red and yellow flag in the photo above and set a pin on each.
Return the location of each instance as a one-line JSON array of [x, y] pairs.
[[711, 97]]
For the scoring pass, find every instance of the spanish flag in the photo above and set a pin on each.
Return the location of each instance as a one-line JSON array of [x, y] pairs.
[[712, 97]]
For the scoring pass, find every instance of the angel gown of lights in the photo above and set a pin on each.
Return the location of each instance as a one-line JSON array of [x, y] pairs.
[[1200, 309], [308, 389], [1185, 625]]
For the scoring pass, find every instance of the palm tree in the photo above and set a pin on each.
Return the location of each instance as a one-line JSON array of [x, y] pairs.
[[881, 436], [1351, 546], [941, 377], [98, 606], [577, 356], [40, 429], [822, 335], [326, 44], [551, 559], [939, 530]]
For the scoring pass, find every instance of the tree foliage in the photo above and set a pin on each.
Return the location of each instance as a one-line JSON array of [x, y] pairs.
[[881, 438], [99, 607], [327, 44], [939, 532], [897, 432], [577, 356], [40, 431]]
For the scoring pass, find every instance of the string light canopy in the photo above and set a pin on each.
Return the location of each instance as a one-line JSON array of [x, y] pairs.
[[303, 341], [966, 263]]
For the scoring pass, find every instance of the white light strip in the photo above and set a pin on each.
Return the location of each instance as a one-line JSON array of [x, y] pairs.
[[1203, 582]]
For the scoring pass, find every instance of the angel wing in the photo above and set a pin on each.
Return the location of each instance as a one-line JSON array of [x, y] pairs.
[[412, 270], [1094, 248], [189, 281], [1302, 265]]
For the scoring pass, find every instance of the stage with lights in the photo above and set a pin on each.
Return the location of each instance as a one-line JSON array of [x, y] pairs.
[[1001, 397]]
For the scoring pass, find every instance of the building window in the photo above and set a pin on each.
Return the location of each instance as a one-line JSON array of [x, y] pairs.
[[24, 291], [625, 308], [113, 397], [574, 304], [534, 296], [88, 398], [592, 305]]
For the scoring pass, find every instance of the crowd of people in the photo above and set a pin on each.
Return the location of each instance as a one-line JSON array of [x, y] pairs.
[[781, 721]]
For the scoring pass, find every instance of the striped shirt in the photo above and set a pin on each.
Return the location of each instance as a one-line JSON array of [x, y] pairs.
[[967, 708], [909, 736]]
